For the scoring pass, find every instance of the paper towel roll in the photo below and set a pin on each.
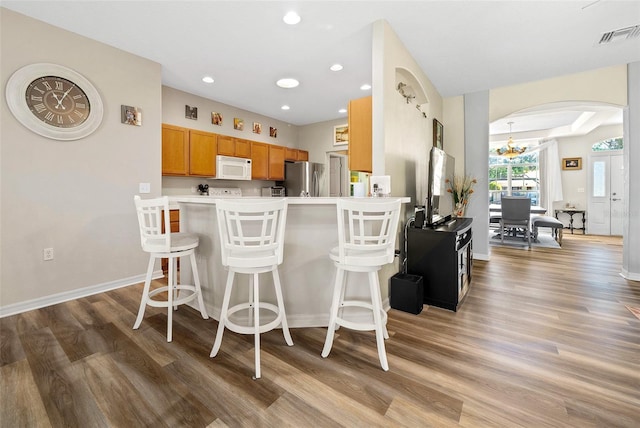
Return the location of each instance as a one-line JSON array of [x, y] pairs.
[[357, 190]]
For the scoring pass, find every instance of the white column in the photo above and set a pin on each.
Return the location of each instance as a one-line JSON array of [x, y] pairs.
[[476, 161], [631, 231]]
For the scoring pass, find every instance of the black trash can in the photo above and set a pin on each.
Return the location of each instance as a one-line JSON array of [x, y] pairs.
[[406, 293]]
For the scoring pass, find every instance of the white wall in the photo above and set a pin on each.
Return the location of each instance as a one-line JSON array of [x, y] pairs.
[[402, 136], [74, 196], [573, 181]]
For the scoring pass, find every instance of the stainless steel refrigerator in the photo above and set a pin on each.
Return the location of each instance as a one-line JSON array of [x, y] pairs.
[[303, 178]]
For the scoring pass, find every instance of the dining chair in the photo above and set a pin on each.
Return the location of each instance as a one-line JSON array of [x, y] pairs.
[[516, 214]]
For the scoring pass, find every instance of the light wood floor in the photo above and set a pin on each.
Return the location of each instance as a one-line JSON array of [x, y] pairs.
[[543, 340]]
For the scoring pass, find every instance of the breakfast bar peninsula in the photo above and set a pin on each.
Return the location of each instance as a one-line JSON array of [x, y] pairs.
[[306, 274]]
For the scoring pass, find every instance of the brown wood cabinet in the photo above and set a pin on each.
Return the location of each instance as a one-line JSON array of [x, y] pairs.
[[231, 146], [259, 161], [202, 153], [276, 162], [290, 154], [191, 152], [360, 131], [175, 150], [295, 154]]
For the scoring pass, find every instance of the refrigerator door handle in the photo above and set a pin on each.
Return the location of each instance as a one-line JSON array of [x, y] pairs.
[[316, 184]]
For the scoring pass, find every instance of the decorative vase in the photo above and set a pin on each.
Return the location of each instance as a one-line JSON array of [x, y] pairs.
[[459, 212]]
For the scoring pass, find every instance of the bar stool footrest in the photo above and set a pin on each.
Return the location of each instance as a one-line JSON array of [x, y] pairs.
[[243, 329], [165, 303], [355, 325]]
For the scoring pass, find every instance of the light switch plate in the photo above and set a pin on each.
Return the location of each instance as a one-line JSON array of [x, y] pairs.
[[145, 188]]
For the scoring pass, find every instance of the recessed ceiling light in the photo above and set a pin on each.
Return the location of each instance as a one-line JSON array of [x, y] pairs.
[[335, 67], [342, 110], [365, 87], [207, 79], [287, 83], [291, 18], [285, 107]]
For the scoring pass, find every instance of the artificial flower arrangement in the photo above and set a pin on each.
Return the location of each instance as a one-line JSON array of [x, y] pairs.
[[461, 187]]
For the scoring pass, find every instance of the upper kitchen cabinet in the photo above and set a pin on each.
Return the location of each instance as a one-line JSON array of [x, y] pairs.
[[231, 146], [203, 147], [259, 161], [175, 150], [276, 162], [295, 154], [360, 131], [267, 161]]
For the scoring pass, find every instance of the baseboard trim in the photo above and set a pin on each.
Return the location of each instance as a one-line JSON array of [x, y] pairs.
[[630, 275], [54, 299]]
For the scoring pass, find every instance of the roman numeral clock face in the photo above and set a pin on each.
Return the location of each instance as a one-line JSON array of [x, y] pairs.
[[54, 101], [58, 102]]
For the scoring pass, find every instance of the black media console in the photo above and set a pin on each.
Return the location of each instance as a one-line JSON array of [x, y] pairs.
[[443, 257]]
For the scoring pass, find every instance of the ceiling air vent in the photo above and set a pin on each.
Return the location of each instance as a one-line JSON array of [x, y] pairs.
[[620, 34]]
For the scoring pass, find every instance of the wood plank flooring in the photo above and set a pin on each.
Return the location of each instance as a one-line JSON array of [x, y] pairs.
[[542, 340]]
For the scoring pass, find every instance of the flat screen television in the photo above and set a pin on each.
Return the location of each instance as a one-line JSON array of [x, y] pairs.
[[439, 205]]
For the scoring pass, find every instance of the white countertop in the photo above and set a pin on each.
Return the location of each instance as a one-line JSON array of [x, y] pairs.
[[203, 199]]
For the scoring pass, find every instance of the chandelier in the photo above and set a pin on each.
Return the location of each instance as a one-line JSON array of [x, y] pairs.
[[510, 151]]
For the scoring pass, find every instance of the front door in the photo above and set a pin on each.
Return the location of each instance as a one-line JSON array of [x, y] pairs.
[[606, 188]]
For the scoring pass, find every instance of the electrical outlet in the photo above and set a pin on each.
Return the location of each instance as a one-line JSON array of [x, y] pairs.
[[47, 254]]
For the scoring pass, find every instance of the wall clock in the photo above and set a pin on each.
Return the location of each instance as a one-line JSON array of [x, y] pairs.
[[54, 101]]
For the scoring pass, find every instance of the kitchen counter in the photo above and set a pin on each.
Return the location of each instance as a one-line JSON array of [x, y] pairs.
[[307, 273]]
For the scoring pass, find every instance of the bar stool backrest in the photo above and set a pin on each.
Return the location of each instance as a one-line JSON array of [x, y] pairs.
[[251, 231], [367, 230], [151, 213]]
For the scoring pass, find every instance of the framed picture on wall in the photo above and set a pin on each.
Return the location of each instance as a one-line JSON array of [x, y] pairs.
[[438, 134], [572, 163], [340, 135], [191, 112]]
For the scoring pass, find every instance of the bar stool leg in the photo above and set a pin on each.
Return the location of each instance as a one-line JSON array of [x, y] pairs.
[[337, 293], [223, 314], [280, 301], [170, 293], [377, 319], [196, 284], [145, 292], [256, 322]]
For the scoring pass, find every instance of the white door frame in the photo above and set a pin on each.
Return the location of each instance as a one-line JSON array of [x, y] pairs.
[[344, 174], [602, 209]]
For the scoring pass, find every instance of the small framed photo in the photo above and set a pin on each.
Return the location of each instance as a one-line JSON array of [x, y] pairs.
[[131, 115], [216, 118], [257, 128], [341, 135], [572, 163], [438, 134], [191, 112], [273, 132], [238, 124]]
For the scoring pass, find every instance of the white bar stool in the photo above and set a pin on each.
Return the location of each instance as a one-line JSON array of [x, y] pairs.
[[365, 245], [252, 242], [166, 245]]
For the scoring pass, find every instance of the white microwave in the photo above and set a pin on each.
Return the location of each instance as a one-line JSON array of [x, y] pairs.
[[231, 168]]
